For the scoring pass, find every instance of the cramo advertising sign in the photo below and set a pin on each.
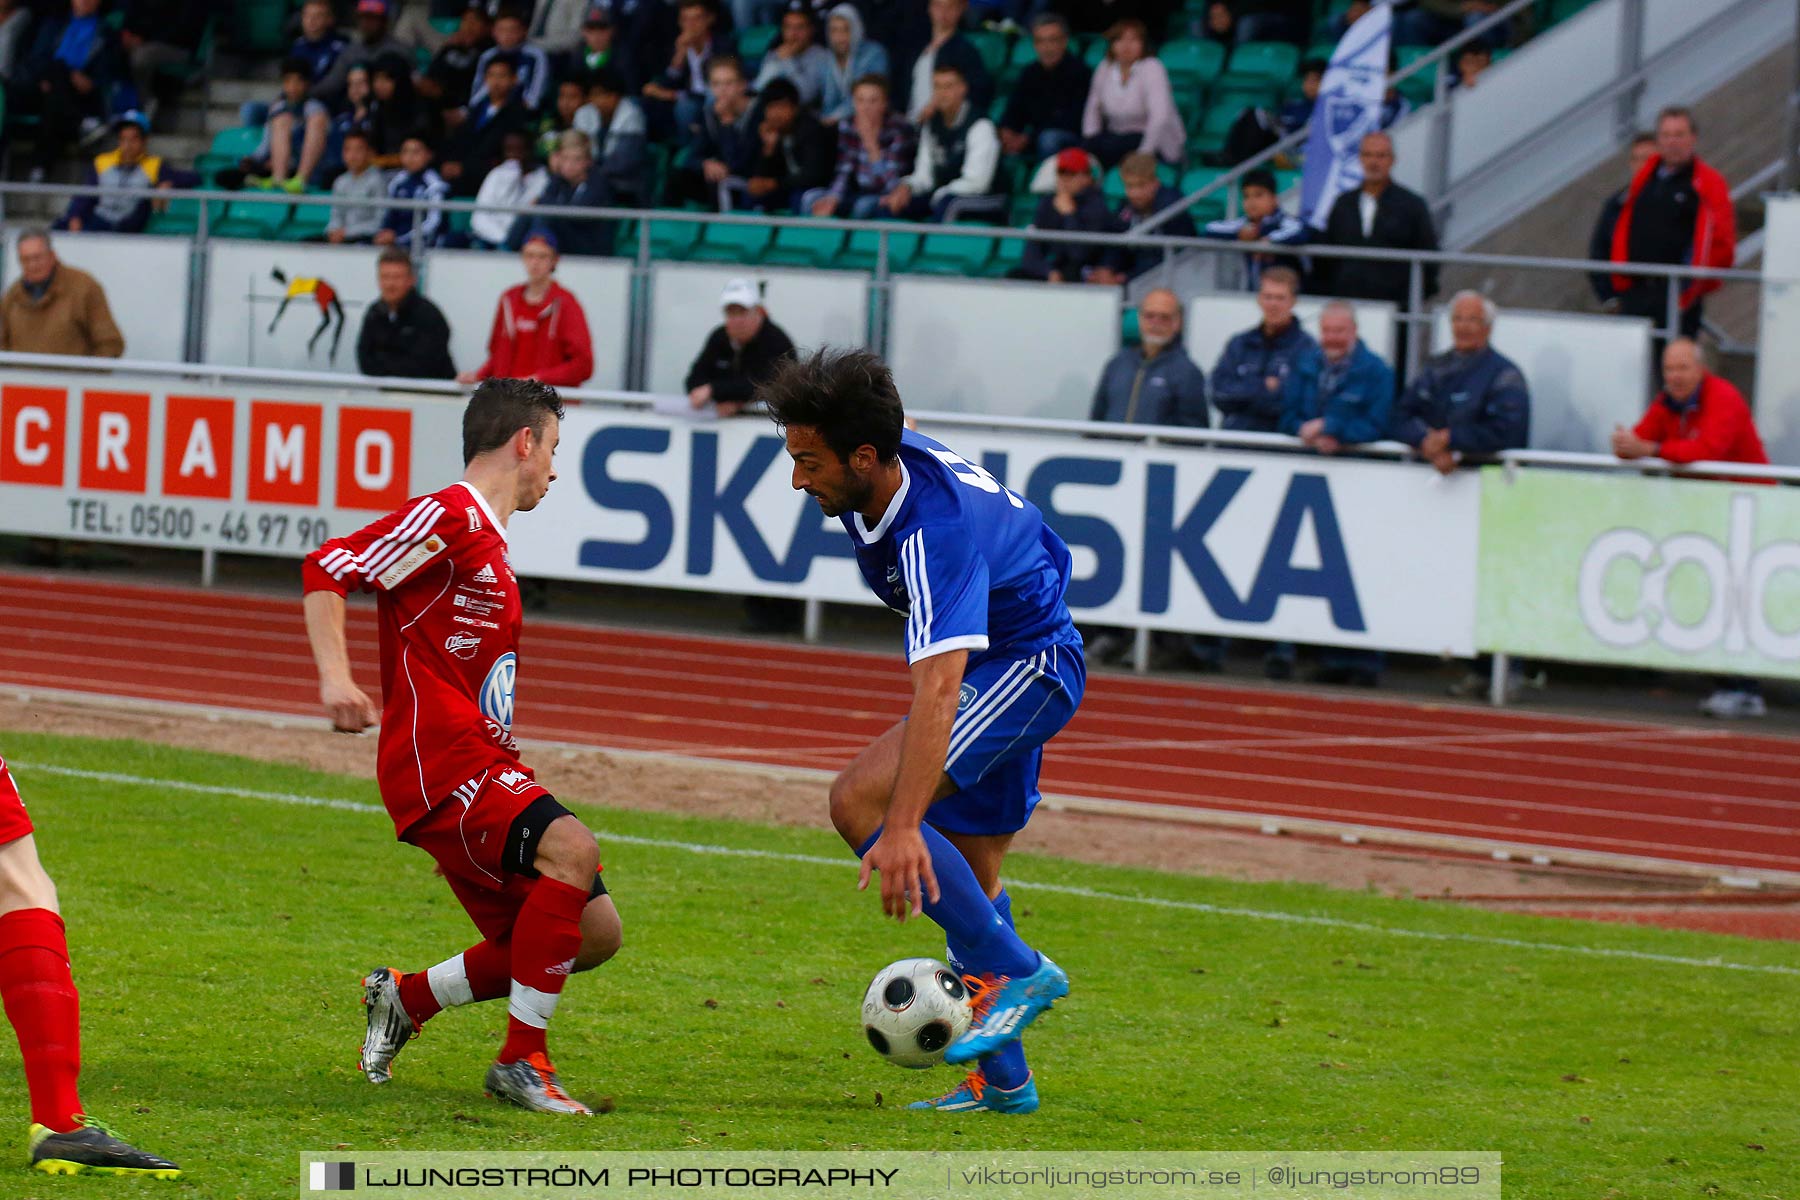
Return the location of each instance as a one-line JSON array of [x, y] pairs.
[[1687, 574]]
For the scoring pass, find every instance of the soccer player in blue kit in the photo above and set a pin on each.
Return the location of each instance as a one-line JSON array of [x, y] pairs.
[[997, 670]]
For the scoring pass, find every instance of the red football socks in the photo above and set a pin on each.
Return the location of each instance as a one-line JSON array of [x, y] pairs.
[[482, 972], [45, 1012], [545, 940]]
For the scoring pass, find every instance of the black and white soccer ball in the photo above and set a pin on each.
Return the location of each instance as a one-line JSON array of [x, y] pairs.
[[913, 1010]]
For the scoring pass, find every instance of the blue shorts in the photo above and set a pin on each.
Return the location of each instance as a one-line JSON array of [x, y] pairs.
[[1008, 709]]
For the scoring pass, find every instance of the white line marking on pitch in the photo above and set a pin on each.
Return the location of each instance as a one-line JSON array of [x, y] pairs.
[[1194, 906]]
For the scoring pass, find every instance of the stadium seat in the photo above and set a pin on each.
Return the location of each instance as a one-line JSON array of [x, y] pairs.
[[755, 41], [1210, 137], [259, 27], [182, 217], [859, 252], [991, 45], [946, 255], [251, 219], [1024, 53], [1235, 98], [1419, 88], [446, 25], [306, 222], [1212, 208], [672, 239], [1022, 210], [1113, 188], [1008, 253], [731, 243], [1094, 51], [805, 245], [240, 141], [1128, 325], [1192, 63], [1262, 63]]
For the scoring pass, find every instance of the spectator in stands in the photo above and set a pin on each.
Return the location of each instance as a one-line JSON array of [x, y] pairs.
[[518, 181], [74, 62], [959, 153], [294, 139], [1097, 16], [739, 354], [1145, 195], [797, 57], [356, 113], [130, 166], [473, 148], [947, 48], [1299, 110], [450, 76], [795, 152], [1378, 215], [724, 143], [531, 66], [1262, 221], [597, 51], [615, 123], [540, 331], [1043, 113], [1338, 26], [1678, 209], [52, 308], [394, 110], [360, 188], [1250, 379], [571, 94], [1433, 22], [573, 184], [157, 34], [1130, 105], [1643, 148], [1154, 382], [556, 25], [1474, 58], [678, 95], [876, 149], [319, 43], [1341, 393], [414, 181], [853, 56], [403, 334], [15, 23], [1699, 417], [1468, 402], [373, 41], [1075, 207]]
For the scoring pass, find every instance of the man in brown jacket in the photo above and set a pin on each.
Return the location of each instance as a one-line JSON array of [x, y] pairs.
[[55, 309]]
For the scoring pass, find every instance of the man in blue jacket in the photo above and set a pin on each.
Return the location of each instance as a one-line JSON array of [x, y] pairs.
[[1248, 381], [1470, 401], [1336, 396]]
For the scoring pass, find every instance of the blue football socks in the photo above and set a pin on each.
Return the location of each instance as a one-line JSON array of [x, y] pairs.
[[968, 918]]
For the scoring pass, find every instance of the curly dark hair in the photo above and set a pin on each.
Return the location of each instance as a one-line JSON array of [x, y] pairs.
[[500, 408], [847, 395]]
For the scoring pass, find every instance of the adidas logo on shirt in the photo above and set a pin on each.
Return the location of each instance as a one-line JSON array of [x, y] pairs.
[[486, 574]]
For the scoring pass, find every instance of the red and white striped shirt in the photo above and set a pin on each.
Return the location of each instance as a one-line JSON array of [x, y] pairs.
[[448, 607]]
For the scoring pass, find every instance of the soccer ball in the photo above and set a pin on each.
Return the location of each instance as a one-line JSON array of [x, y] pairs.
[[913, 1010]]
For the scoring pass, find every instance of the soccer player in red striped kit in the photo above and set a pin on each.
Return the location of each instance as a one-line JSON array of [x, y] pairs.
[[45, 1012], [525, 869]]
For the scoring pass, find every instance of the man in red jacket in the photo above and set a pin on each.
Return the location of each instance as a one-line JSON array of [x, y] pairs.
[[1698, 417], [539, 330], [1677, 211]]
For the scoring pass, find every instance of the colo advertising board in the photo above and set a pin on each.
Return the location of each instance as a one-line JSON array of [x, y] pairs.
[[1282, 546], [1689, 575]]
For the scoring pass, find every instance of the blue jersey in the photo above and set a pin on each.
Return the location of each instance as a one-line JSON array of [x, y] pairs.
[[972, 565]]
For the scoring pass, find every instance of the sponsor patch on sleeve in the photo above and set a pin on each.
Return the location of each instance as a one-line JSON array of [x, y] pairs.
[[411, 561]]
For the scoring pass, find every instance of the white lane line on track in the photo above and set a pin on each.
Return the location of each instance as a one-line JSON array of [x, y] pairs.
[[1192, 906]]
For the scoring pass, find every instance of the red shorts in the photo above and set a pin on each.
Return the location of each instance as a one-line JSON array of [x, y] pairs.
[[14, 824], [468, 839]]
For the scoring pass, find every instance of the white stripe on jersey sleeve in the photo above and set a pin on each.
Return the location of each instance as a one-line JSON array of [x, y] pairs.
[[400, 540]]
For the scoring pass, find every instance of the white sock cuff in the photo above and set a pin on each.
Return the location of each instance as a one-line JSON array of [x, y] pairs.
[[531, 1006], [450, 983]]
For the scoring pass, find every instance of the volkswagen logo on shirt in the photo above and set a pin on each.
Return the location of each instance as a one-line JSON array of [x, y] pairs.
[[496, 697]]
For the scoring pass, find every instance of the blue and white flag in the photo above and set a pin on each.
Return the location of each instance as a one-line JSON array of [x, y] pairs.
[[1349, 107]]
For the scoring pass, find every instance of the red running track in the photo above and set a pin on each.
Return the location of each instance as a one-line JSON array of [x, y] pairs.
[[1377, 769]]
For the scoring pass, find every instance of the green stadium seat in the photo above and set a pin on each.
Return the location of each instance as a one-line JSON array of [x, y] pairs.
[[1113, 188], [1192, 63], [755, 41], [1128, 325], [673, 239], [806, 245], [1419, 88], [945, 255], [1022, 209], [859, 253], [1286, 181], [1024, 53], [240, 141], [1210, 137], [446, 25], [991, 45], [1094, 50], [1008, 254], [1235, 98], [260, 26], [182, 217], [1212, 208], [1262, 63], [305, 222], [252, 219], [731, 243]]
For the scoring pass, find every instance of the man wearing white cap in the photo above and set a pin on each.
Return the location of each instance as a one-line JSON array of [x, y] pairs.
[[739, 354]]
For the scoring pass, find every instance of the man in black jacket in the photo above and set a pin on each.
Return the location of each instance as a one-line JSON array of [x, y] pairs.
[[403, 334], [1600, 243], [1378, 215], [1043, 114], [794, 152], [738, 354]]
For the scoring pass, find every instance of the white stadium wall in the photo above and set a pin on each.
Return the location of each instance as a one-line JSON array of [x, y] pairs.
[[146, 280], [1778, 346], [1000, 348], [242, 298]]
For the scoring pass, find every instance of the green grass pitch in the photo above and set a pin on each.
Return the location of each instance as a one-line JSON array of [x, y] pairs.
[[218, 938]]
